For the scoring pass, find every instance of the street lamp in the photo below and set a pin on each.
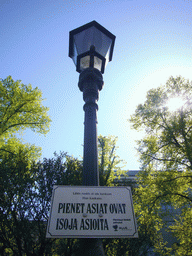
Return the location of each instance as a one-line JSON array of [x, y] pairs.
[[91, 48]]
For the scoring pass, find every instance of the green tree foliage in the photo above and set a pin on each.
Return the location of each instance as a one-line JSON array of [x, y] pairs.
[[15, 182], [25, 204], [20, 108], [109, 162], [111, 168], [165, 185]]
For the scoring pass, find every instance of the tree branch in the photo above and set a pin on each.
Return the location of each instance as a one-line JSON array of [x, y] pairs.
[[7, 151], [36, 123]]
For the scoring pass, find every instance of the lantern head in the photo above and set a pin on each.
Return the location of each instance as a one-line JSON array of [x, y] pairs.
[[91, 46]]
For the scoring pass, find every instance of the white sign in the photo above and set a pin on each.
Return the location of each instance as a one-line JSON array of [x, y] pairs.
[[91, 212]]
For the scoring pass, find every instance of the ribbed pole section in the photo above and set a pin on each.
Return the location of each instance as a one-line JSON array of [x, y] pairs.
[[90, 83], [90, 159]]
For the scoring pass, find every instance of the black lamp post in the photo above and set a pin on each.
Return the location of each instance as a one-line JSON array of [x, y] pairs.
[[91, 48]]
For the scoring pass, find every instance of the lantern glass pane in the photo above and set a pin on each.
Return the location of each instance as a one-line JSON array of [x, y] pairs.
[[92, 36], [74, 58], [85, 63], [97, 63], [107, 57]]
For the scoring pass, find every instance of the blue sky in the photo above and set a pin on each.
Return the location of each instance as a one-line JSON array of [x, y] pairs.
[[153, 42]]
